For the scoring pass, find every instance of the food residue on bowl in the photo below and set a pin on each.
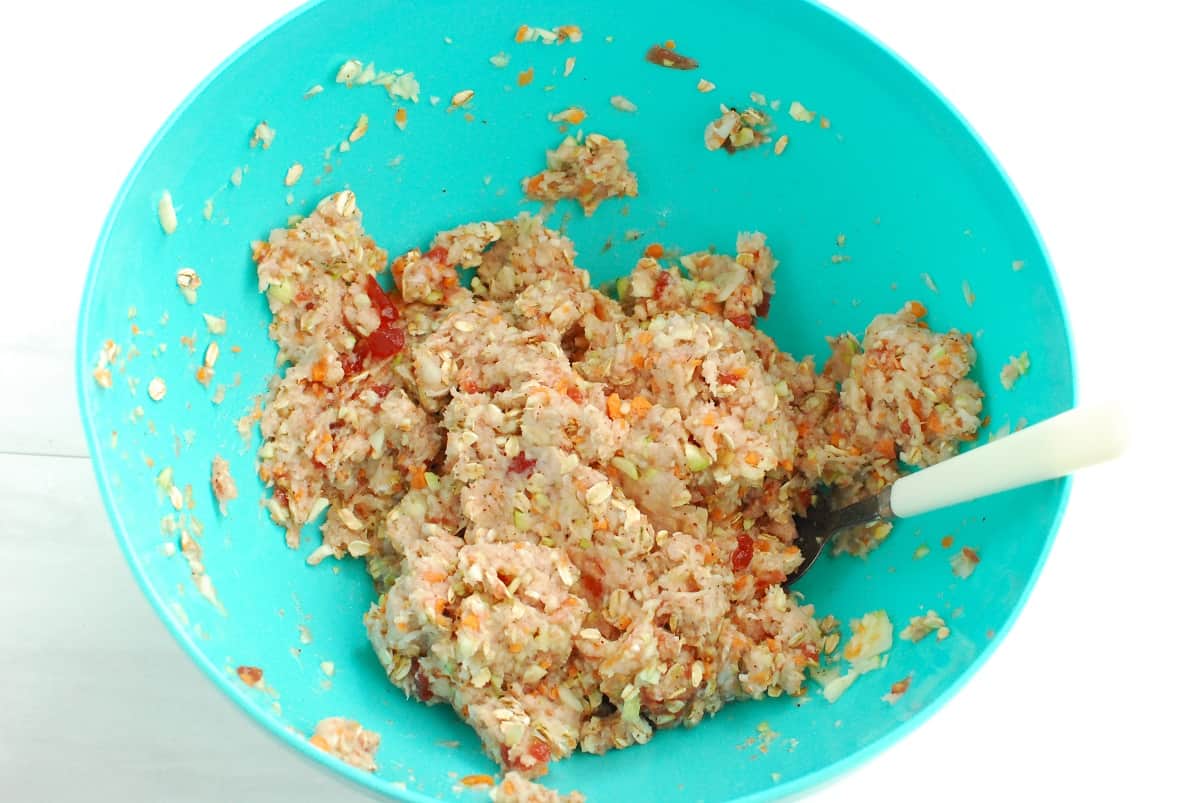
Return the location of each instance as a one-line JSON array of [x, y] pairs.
[[1014, 369], [223, 486], [347, 740], [517, 789], [737, 131], [590, 171]]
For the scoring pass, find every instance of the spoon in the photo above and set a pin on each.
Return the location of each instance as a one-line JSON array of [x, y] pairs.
[[1050, 449]]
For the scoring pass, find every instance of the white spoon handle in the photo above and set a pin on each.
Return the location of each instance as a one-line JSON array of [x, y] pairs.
[[1053, 448]]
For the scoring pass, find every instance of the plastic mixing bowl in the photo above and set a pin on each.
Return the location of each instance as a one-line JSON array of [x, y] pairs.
[[886, 163]]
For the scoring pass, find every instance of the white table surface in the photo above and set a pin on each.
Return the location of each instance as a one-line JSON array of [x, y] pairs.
[[1093, 694]]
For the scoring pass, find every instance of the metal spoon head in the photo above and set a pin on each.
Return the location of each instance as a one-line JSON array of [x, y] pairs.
[[811, 540], [817, 529]]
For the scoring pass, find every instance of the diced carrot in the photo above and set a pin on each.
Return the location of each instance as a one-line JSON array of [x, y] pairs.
[[654, 250], [669, 44], [319, 743], [947, 541], [434, 576], [418, 478], [575, 117], [918, 309], [614, 405], [477, 780], [522, 32], [887, 448], [525, 77], [787, 465], [752, 458], [638, 360], [709, 420], [319, 371], [935, 424], [471, 621], [640, 405], [533, 184]]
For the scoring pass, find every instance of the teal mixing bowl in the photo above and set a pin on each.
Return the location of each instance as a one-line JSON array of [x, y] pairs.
[[887, 164]]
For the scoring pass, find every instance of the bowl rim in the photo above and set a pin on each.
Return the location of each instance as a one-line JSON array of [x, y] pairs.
[[806, 784]]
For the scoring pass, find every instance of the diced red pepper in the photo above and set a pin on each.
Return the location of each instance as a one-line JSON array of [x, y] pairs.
[[743, 553], [351, 363], [764, 307], [727, 379], [521, 464], [437, 254], [592, 584], [381, 301], [424, 692], [384, 342], [660, 284], [540, 751], [742, 321]]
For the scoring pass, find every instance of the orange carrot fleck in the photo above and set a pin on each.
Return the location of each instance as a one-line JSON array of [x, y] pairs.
[[917, 308], [614, 406], [525, 77], [477, 780], [418, 478], [669, 44], [401, 117], [654, 250], [947, 541], [752, 458], [640, 406]]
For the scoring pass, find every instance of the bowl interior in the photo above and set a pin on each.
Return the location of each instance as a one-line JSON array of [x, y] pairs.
[[895, 171]]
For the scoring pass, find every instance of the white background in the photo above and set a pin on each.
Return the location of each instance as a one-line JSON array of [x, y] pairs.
[[1090, 107]]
